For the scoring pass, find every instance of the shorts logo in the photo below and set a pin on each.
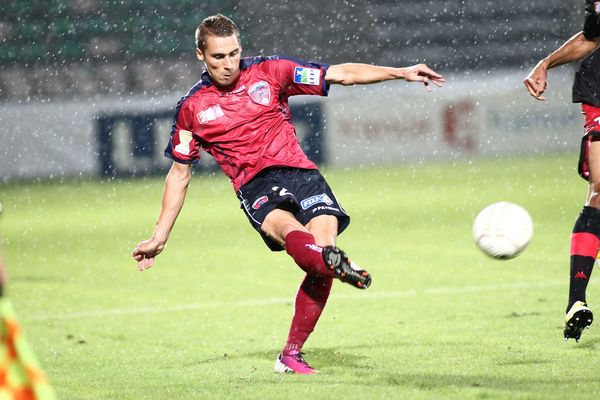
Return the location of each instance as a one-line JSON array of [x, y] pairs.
[[307, 76], [185, 137], [260, 93], [210, 114], [259, 202], [311, 201], [282, 192]]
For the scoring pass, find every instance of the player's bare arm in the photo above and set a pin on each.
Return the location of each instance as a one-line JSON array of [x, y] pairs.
[[360, 74], [576, 48], [176, 185]]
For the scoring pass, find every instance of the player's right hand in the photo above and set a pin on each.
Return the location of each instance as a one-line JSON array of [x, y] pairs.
[[537, 82], [145, 252]]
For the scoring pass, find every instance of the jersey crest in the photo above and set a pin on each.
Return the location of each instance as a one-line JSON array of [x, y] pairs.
[[260, 93]]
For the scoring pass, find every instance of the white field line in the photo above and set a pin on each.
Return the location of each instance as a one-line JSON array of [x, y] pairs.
[[359, 296]]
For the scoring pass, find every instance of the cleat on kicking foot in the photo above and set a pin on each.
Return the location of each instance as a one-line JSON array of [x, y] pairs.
[[344, 269], [578, 318], [293, 363]]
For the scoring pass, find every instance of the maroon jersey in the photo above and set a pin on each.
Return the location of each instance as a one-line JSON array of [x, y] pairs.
[[246, 127]]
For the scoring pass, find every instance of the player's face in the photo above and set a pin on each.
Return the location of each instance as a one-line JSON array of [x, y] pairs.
[[222, 59]]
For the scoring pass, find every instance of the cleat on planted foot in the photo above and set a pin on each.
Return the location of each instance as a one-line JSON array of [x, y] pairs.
[[578, 318], [344, 269], [293, 363]]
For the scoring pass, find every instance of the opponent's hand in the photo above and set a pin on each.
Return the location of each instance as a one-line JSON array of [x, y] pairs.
[[537, 81], [422, 73], [145, 252]]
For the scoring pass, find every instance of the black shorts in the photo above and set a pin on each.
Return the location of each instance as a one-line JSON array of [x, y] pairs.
[[303, 192]]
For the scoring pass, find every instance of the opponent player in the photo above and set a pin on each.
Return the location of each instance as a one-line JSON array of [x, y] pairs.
[[585, 239], [239, 114]]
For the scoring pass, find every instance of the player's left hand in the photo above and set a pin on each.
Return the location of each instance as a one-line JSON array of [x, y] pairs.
[[422, 73], [145, 252]]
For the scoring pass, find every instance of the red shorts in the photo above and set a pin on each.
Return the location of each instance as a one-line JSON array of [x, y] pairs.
[[591, 134]]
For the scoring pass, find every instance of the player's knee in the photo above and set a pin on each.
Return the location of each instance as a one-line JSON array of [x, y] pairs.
[[279, 223]]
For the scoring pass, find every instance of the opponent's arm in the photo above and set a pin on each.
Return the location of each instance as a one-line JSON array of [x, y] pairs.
[[174, 193], [576, 48], [360, 74]]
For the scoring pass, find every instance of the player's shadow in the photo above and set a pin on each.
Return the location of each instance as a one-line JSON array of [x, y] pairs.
[[323, 357], [330, 360], [589, 343]]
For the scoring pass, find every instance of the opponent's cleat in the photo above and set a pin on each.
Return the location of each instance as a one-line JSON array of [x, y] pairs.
[[344, 269], [577, 319], [293, 363]]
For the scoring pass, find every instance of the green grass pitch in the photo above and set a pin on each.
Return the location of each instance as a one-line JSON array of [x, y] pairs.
[[441, 320]]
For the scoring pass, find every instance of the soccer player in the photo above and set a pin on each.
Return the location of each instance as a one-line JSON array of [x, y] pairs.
[[585, 239], [239, 114]]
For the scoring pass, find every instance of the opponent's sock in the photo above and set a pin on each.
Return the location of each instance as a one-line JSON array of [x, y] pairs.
[[585, 242], [310, 301], [301, 246]]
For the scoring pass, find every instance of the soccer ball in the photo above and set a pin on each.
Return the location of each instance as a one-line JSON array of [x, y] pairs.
[[502, 230]]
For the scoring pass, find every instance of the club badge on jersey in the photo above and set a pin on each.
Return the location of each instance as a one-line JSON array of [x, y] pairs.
[[260, 93], [597, 7]]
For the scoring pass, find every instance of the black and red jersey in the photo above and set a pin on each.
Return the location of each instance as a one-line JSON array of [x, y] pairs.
[[586, 87], [246, 127]]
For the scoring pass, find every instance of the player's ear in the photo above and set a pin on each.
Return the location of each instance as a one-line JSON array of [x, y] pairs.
[[199, 54]]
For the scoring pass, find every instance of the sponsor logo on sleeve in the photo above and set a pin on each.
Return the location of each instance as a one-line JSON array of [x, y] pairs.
[[259, 202], [260, 93], [210, 114], [311, 201], [307, 76], [185, 137]]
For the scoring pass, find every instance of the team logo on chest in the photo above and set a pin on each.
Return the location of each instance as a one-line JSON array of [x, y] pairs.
[[260, 93]]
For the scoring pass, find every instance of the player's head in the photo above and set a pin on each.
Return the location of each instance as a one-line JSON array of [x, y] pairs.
[[218, 45]]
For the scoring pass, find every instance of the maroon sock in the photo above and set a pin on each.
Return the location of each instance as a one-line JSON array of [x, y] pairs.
[[301, 246], [310, 301]]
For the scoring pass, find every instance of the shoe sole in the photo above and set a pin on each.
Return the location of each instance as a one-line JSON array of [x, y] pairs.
[[580, 320], [337, 256]]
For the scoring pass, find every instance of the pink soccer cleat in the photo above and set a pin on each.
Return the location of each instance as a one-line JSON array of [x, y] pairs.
[[293, 363]]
